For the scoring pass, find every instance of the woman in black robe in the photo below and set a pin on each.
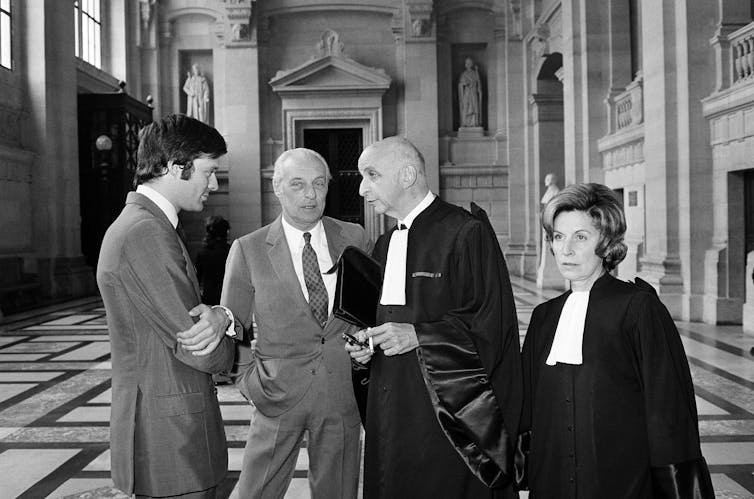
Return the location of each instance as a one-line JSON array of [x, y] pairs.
[[608, 400]]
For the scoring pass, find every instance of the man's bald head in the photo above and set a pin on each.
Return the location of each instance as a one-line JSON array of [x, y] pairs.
[[394, 178], [399, 152]]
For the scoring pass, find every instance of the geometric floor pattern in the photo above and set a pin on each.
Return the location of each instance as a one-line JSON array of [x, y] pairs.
[[55, 403]]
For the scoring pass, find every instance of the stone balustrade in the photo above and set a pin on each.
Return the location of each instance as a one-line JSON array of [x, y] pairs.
[[627, 107], [742, 48]]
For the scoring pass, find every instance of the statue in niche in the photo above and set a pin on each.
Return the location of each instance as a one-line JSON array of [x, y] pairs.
[[197, 93], [470, 95]]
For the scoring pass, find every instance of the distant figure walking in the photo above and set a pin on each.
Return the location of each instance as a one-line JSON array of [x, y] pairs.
[[210, 262]]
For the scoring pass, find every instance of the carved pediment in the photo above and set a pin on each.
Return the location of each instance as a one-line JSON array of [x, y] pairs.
[[330, 73]]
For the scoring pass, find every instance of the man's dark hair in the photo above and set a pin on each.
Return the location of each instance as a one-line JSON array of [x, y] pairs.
[[178, 138]]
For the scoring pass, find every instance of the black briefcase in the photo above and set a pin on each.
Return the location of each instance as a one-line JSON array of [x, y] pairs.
[[357, 292]]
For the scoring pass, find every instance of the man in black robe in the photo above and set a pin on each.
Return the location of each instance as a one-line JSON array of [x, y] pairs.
[[445, 389]]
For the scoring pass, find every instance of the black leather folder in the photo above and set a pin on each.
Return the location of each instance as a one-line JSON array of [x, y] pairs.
[[357, 292]]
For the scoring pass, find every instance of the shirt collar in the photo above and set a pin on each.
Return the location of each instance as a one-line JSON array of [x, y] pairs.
[[161, 201], [423, 204], [296, 236]]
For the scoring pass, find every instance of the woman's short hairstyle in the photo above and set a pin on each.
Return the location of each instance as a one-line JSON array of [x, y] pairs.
[[177, 138], [602, 205]]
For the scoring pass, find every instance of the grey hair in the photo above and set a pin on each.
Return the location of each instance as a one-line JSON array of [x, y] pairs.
[[277, 174]]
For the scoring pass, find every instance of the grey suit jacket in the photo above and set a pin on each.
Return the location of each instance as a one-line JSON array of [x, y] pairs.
[[291, 347], [166, 431]]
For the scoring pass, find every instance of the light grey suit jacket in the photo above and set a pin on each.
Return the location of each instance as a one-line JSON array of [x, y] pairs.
[[291, 347], [166, 431]]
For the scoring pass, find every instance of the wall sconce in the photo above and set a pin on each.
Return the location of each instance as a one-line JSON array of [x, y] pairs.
[[103, 143]]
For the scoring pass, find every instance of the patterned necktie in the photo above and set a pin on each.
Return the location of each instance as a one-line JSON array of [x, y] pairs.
[[314, 283]]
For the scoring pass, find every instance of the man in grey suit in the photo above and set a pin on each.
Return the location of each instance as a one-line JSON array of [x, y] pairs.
[[166, 432], [299, 379]]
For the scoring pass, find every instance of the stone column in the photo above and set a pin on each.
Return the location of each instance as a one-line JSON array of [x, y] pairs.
[[237, 81], [48, 45], [586, 61], [661, 263], [695, 200], [521, 252], [420, 82], [547, 136]]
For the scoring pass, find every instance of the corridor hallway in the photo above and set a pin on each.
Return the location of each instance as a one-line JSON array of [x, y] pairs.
[[55, 403]]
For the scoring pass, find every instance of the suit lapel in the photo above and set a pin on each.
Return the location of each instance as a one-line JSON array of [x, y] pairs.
[[150, 206], [280, 257], [336, 243]]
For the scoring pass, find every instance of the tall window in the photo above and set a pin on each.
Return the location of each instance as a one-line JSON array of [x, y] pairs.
[[88, 31], [5, 34]]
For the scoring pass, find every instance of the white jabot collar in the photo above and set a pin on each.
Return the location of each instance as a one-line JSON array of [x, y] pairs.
[[161, 201], [569, 335], [394, 283]]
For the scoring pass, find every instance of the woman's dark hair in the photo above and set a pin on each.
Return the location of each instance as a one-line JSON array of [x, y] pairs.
[[179, 139], [217, 229], [601, 204]]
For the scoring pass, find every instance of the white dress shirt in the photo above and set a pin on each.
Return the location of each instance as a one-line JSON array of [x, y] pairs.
[[394, 283], [161, 201], [295, 239], [569, 335]]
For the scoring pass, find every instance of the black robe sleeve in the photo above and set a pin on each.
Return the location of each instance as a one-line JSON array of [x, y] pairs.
[[678, 468], [470, 358]]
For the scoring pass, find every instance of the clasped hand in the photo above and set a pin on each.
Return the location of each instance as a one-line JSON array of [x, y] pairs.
[[207, 333], [394, 338]]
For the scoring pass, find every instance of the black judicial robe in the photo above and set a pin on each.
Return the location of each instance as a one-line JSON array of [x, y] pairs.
[[624, 423], [444, 417]]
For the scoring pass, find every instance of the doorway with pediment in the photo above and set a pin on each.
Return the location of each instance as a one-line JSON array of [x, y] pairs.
[[341, 146], [333, 104]]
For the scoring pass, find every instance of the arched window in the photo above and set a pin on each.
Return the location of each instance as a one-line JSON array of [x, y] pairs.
[[89, 31], [6, 54]]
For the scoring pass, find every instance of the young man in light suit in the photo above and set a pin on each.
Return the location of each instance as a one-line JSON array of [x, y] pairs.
[[167, 435], [299, 379]]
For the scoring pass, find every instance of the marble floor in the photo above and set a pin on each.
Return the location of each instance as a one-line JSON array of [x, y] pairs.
[[55, 403]]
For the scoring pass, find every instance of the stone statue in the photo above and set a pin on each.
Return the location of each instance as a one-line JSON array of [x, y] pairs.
[[146, 7], [551, 182], [197, 93], [470, 95], [547, 271], [330, 44]]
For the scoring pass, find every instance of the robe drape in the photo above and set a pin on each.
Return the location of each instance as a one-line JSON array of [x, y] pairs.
[[442, 419], [623, 424]]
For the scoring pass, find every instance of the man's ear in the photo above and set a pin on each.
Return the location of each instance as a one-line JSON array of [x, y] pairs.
[[408, 175], [173, 169]]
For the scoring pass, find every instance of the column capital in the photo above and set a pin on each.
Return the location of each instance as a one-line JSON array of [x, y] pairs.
[[420, 18], [237, 30]]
